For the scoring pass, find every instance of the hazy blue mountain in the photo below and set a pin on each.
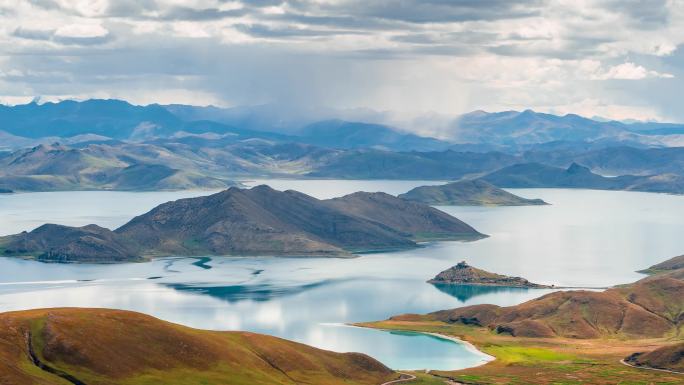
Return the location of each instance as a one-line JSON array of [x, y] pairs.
[[351, 135], [511, 131], [111, 118], [514, 129], [617, 160], [536, 175], [375, 164]]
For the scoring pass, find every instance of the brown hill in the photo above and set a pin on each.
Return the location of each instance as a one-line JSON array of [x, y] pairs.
[[257, 221], [474, 192], [649, 308], [57, 243], [669, 357], [667, 266], [58, 167], [464, 274], [415, 220], [108, 347]]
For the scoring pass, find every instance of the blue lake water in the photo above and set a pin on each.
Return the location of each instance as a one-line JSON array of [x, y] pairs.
[[585, 238]]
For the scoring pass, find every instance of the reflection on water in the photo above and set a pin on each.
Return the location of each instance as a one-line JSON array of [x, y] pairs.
[[464, 293], [203, 262], [585, 238], [263, 292]]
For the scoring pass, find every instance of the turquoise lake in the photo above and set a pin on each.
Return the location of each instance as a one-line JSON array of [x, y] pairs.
[[584, 238]]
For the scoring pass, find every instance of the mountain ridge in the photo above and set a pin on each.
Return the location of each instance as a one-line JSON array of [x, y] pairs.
[[469, 192], [256, 221]]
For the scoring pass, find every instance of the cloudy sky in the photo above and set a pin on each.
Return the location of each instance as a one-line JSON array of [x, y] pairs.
[[615, 58]]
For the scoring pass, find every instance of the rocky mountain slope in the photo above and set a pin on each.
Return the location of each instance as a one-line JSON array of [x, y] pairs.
[[646, 309], [472, 192], [257, 221], [410, 218], [113, 347], [671, 265], [57, 243]]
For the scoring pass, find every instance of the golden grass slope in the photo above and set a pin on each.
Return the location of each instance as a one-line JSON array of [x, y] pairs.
[[107, 347]]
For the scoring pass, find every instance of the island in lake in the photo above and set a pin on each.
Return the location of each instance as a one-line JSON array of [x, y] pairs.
[[256, 221], [464, 274], [472, 192], [595, 337]]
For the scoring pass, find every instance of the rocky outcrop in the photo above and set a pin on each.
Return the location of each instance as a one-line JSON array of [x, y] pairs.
[[464, 274], [57, 243]]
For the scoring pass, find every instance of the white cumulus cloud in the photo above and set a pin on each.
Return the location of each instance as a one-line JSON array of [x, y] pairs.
[[631, 71]]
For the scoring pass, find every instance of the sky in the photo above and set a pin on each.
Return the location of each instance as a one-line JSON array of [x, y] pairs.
[[618, 59]]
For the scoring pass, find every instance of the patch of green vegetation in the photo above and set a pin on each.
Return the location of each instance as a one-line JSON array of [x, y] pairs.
[[425, 379], [470, 377], [522, 354], [37, 338]]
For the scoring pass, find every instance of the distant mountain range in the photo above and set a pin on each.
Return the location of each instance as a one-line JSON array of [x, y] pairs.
[[113, 145], [205, 163], [257, 221], [115, 119], [515, 129], [482, 131]]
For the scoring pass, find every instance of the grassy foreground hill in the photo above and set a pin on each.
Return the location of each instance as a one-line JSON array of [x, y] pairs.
[[568, 337], [113, 347]]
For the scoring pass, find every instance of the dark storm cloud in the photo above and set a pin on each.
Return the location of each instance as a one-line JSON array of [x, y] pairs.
[[403, 55], [428, 11]]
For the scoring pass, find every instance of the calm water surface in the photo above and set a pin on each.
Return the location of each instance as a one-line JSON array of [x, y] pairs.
[[585, 238]]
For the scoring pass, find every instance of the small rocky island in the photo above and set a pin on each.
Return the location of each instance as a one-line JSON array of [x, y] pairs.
[[464, 274]]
